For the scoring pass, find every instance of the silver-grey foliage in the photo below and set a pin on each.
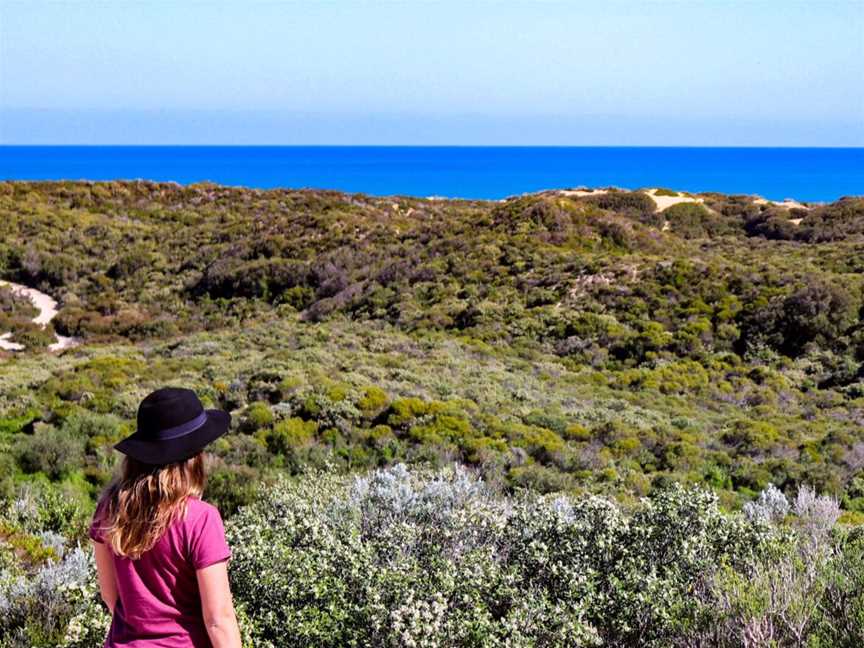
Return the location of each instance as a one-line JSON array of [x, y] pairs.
[[771, 506]]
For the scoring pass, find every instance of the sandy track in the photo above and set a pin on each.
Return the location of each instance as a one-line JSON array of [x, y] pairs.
[[47, 307]]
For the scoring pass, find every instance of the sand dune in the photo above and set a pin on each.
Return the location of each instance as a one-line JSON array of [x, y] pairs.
[[667, 201], [788, 203], [582, 192], [662, 202]]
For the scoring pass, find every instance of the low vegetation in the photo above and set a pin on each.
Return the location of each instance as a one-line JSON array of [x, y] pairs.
[[400, 558], [588, 348]]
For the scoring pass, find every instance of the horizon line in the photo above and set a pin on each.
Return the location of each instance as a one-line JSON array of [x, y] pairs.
[[428, 146]]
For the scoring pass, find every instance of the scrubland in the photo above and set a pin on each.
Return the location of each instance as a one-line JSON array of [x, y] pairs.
[[621, 426]]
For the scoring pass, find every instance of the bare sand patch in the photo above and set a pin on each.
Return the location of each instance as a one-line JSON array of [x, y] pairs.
[[47, 307], [667, 201], [788, 203], [583, 192]]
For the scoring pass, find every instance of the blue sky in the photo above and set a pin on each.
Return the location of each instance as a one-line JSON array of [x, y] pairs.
[[570, 73]]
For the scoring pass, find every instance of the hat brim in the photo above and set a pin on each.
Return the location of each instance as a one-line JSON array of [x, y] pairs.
[[180, 448]]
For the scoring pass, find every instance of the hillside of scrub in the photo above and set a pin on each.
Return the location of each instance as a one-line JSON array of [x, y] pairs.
[[568, 341]]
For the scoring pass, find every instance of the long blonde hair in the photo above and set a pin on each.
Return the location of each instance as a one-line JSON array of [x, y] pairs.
[[144, 500]]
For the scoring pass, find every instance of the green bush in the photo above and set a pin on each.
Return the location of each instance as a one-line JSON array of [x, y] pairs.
[[49, 451], [291, 434], [257, 416], [693, 220], [373, 401], [33, 336]]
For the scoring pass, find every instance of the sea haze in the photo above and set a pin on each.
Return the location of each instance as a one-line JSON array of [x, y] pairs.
[[810, 174]]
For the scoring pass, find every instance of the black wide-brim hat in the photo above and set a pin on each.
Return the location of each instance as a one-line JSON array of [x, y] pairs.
[[173, 426]]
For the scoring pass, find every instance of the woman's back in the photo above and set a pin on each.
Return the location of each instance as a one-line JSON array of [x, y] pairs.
[[160, 551], [159, 602]]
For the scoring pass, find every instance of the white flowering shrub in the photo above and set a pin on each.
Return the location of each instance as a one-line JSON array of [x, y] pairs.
[[408, 559], [671, 546], [414, 558], [400, 558]]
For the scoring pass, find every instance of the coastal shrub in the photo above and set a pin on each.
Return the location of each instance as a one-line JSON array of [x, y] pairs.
[[396, 559], [49, 451], [84, 424], [803, 590], [816, 312], [57, 606], [635, 203], [773, 225], [373, 401], [329, 407], [531, 213], [839, 621], [539, 478], [746, 435], [39, 507], [693, 220], [334, 561], [257, 416], [32, 336], [836, 221], [771, 506], [290, 434], [14, 305], [230, 487], [441, 558]]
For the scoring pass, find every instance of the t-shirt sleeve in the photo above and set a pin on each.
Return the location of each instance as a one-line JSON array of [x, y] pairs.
[[207, 544], [97, 525]]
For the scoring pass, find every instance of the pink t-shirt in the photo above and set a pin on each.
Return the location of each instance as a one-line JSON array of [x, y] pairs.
[[159, 604]]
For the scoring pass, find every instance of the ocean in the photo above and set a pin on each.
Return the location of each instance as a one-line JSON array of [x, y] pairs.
[[809, 174]]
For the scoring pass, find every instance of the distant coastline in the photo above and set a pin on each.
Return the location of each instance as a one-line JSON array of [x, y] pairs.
[[804, 174]]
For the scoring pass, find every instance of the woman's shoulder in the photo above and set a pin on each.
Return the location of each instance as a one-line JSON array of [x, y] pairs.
[[99, 521], [205, 534], [197, 510]]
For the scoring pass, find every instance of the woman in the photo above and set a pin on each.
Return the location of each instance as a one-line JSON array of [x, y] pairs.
[[160, 551]]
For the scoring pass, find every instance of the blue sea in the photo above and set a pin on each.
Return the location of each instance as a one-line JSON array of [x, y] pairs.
[[810, 174]]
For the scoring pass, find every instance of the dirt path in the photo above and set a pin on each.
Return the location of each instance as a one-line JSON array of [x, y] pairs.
[[47, 308]]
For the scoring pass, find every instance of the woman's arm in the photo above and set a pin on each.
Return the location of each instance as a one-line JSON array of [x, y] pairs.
[[217, 606], [107, 577]]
